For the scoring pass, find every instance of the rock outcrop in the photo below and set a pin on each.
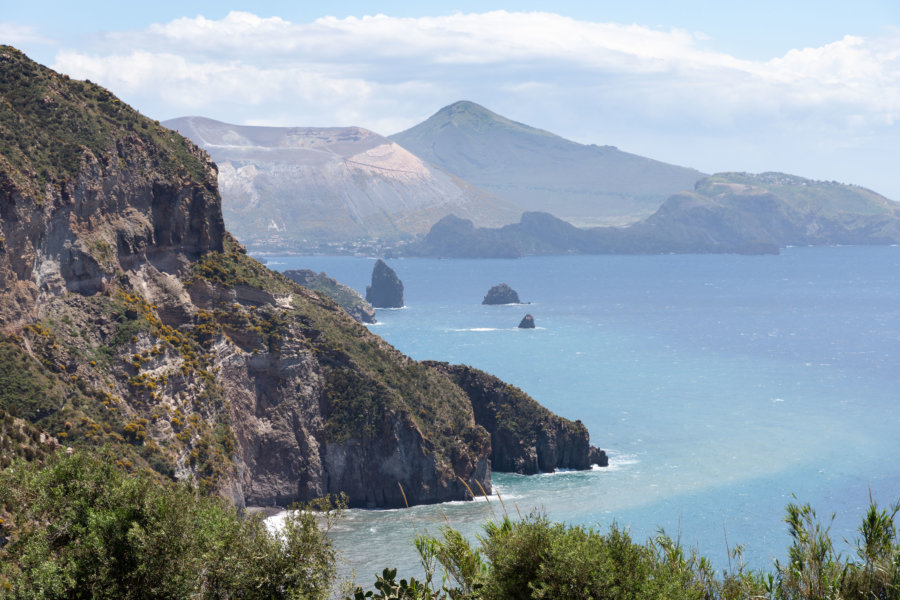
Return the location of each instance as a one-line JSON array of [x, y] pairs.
[[346, 297], [598, 457], [501, 294], [130, 318], [527, 322], [386, 290], [526, 438]]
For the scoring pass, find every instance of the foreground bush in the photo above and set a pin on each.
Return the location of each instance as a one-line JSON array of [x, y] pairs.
[[535, 558], [82, 527]]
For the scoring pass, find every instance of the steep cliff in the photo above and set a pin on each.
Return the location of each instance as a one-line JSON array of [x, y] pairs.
[[525, 437], [130, 317]]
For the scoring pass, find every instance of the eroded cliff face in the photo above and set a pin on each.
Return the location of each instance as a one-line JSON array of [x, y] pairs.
[[526, 438], [138, 322]]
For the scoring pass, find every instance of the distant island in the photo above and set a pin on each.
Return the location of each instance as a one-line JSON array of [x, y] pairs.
[[739, 213]]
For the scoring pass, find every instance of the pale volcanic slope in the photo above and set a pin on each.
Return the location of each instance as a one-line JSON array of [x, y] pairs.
[[284, 185]]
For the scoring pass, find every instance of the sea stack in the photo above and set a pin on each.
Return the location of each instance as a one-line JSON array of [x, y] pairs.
[[501, 294], [527, 322], [386, 290]]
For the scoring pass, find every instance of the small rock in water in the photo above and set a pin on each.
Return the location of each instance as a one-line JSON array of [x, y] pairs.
[[598, 457], [501, 294], [527, 322]]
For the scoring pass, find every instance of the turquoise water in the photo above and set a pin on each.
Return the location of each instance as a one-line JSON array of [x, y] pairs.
[[719, 385]]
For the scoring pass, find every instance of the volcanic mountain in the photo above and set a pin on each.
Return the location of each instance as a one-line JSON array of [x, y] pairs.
[[539, 171]]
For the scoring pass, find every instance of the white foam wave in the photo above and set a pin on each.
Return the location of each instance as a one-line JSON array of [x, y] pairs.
[[617, 462]]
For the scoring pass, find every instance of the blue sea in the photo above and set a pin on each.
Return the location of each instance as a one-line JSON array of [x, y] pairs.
[[722, 387]]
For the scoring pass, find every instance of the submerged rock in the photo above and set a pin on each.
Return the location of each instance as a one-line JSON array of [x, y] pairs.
[[501, 294], [527, 322], [386, 290]]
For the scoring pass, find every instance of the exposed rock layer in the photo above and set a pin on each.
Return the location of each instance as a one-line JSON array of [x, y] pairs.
[[525, 437], [283, 187]]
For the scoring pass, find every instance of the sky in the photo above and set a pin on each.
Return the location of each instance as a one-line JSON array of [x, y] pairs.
[[805, 87]]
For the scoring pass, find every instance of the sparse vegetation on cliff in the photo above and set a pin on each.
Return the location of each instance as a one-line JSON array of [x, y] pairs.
[[74, 116]]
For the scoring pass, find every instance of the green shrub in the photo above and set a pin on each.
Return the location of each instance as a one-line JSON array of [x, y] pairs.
[[536, 558], [81, 527]]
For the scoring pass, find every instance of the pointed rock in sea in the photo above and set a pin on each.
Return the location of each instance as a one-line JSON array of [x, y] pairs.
[[386, 290]]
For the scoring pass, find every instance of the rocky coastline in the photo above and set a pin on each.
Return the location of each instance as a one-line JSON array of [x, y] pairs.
[[142, 326]]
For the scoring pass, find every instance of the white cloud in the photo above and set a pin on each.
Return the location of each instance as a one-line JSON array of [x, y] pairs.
[[581, 79], [340, 54]]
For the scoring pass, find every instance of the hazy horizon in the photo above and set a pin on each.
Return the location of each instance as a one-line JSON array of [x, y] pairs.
[[810, 89]]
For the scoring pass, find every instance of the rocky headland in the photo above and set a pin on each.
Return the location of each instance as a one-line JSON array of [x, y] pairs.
[[130, 318], [526, 438], [345, 296]]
